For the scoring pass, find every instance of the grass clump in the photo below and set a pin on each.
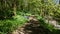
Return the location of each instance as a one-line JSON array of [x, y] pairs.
[[8, 25]]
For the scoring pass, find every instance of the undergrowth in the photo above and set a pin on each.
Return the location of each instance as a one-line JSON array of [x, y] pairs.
[[50, 29], [9, 25]]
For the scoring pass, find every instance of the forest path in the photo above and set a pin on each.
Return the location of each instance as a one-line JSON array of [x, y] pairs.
[[33, 27]]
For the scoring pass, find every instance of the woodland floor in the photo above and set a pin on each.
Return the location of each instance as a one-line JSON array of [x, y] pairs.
[[31, 27]]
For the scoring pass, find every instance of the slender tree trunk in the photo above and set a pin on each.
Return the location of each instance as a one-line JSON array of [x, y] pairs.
[[14, 8]]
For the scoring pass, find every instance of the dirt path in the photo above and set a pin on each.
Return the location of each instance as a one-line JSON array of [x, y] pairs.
[[32, 27]]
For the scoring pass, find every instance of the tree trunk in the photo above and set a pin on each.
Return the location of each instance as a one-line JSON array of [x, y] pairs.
[[14, 8]]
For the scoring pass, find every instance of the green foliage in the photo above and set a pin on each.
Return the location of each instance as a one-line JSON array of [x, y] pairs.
[[40, 7], [8, 25], [26, 7]]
